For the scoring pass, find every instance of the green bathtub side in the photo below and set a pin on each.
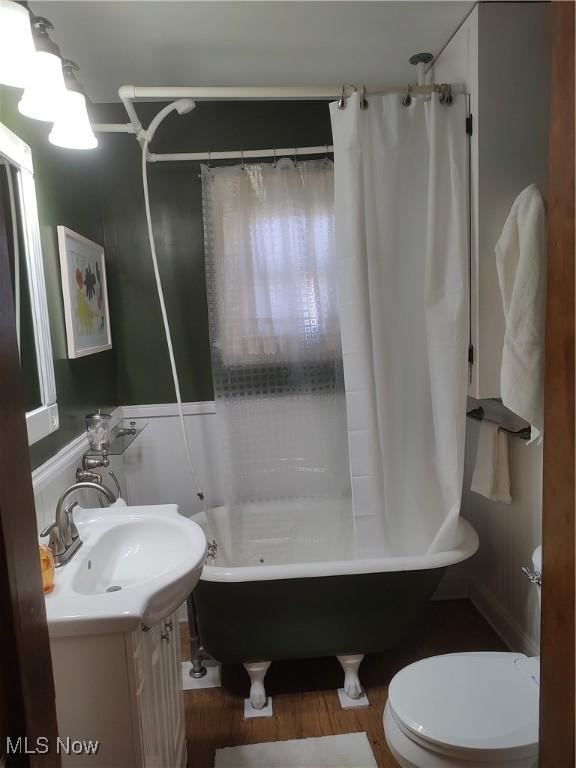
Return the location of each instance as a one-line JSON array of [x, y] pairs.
[[311, 617]]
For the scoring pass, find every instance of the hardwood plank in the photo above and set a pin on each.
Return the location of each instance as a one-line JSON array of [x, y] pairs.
[[305, 700], [557, 636]]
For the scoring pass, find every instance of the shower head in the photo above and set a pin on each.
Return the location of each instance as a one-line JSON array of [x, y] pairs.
[[183, 106]]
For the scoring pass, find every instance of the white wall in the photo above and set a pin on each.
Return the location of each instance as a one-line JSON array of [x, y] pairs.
[[501, 54], [155, 464]]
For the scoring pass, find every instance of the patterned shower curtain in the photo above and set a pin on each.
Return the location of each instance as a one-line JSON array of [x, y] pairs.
[[275, 338]]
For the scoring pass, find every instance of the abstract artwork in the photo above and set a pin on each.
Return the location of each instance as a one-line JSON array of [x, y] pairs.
[[84, 292]]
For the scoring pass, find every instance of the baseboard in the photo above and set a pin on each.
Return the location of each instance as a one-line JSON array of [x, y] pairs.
[[515, 637]]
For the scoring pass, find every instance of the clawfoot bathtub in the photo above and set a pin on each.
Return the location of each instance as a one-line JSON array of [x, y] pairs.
[[298, 592]]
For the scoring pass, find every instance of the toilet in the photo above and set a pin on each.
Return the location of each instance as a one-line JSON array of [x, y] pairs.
[[466, 710]]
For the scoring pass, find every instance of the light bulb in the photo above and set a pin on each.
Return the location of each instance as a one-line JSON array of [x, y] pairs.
[[46, 88], [72, 129], [16, 44]]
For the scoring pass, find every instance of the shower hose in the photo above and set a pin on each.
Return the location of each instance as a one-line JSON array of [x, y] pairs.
[[198, 669]]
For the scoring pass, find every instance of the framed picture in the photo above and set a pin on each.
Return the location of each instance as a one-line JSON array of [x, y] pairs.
[[83, 272]]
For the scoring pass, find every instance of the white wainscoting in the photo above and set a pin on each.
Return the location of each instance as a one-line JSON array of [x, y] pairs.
[[155, 464], [508, 533], [154, 471]]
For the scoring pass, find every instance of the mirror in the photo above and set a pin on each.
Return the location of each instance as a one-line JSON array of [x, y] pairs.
[[18, 201]]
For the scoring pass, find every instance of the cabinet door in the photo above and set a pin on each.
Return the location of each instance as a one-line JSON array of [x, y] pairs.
[[159, 696], [152, 697], [176, 728]]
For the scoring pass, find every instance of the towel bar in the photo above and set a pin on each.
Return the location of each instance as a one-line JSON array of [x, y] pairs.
[[478, 415]]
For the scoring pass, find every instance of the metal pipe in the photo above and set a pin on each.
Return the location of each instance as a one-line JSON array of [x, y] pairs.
[[128, 93], [263, 93], [113, 128], [197, 669], [238, 154]]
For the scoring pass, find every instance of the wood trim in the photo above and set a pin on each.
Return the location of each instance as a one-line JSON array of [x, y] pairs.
[[557, 638], [159, 410], [27, 686]]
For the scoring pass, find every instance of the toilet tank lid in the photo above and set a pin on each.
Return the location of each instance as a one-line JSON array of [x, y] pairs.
[[469, 701]]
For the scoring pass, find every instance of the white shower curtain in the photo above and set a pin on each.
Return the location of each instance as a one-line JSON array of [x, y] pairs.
[[402, 261]]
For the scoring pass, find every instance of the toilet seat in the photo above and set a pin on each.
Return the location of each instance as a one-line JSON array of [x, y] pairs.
[[469, 706]]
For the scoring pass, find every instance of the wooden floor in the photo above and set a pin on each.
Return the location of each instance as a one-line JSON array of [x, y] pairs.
[[304, 692]]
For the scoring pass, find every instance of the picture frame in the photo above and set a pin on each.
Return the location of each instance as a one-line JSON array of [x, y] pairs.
[[85, 294]]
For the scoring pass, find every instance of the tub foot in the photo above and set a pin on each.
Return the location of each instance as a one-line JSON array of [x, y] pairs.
[[257, 671], [352, 695]]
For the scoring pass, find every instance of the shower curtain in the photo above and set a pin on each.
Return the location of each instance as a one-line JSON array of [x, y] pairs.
[[275, 344], [402, 261]]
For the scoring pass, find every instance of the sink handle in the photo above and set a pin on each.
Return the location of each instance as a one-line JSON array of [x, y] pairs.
[[48, 528], [56, 542]]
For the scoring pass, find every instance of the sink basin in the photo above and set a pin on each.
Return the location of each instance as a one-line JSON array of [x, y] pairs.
[[136, 566]]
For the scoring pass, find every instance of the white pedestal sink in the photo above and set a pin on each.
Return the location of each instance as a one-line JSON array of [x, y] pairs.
[[114, 636], [136, 566]]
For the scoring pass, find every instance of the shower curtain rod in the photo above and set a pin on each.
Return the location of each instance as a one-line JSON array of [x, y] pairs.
[[242, 154], [129, 93]]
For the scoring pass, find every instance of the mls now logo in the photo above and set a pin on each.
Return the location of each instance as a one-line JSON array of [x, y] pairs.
[[22, 745]]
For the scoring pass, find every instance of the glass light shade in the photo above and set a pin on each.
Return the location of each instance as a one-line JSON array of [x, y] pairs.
[[16, 45], [72, 129], [46, 88]]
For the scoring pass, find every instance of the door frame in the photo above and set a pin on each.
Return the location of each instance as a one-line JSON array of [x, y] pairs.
[[557, 618], [27, 698]]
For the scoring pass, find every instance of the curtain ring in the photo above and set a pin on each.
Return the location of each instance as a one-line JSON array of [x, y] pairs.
[[209, 158], [407, 98], [274, 163], [295, 159], [363, 99], [342, 99], [242, 159]]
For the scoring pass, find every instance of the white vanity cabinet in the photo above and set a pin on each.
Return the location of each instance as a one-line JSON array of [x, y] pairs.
[[158, 691], [501, 56], [125, 691]]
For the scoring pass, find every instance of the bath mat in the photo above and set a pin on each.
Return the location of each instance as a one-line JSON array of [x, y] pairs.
[[347, 750]]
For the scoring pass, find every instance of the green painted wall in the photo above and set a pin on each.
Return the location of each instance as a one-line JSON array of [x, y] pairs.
[[142, 361], [67, 188], [99, 194]]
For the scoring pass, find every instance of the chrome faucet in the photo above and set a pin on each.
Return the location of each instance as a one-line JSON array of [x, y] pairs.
[[65, 540]]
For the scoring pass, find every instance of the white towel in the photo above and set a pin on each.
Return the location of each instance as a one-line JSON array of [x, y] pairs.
[[491, 476], [521, 265]]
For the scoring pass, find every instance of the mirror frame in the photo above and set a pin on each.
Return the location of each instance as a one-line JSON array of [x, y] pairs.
[[43, 420]]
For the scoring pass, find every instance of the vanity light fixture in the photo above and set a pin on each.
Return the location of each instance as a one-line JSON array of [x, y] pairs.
[[45, 89], [72, 129], [16, 44]]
